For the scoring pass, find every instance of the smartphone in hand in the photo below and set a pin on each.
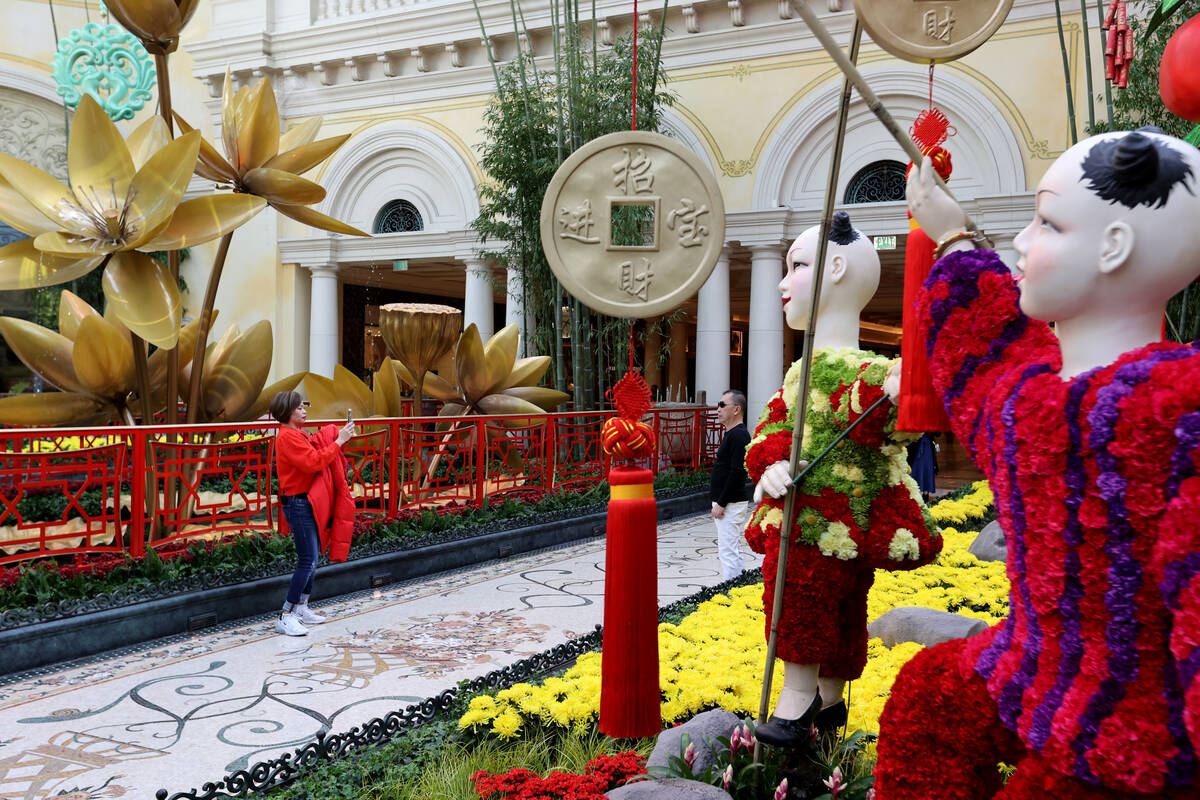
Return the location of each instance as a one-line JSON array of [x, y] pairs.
[[349, 416]]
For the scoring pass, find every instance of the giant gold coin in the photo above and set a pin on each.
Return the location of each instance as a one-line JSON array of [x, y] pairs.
[[632, 224], [926, 31]]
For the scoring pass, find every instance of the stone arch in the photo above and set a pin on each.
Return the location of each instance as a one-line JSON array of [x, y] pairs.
[[672, 123], [398, 159], [795, 164]]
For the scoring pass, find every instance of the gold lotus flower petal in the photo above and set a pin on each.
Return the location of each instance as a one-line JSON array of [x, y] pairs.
[[214, 353], [237, 380], [17, 212], [300, 135], [435, 385], [72, 310], [507, 404], [385, 390], [538, 395], [258, 128], [527, 372], [319, 220], [103, 358], [157, 23], [280, 187], [303, 158], [23, 266], [229, 120], [419, 334], [322, 397], [147, 139], [452, 410], [351, 391], [264, 397], [211, 164], [159, 185], [42, 350], [469, 366], [204, 219], [499, 355], [55, 243], [97, 159], [54, 409], [45, 193], [144, 297]]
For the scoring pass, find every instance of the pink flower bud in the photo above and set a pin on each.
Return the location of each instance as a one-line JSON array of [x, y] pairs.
[[727, 778], [689, 755], [834, 782], [781, 792]]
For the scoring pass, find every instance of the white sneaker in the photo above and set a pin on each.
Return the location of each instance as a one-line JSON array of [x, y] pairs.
[[289, 625], [307, 615]]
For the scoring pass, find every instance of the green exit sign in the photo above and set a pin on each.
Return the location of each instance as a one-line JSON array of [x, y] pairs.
[[885, 242], [402, 264]]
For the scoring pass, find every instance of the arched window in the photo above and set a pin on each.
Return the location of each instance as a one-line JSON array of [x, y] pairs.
[[398, 216], [877, 182]]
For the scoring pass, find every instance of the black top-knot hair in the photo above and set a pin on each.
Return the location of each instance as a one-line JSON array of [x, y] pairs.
[[1135, 169], [840, 230]]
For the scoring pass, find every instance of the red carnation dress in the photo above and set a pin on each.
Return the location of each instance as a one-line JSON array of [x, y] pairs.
[[1090, 686], [858, 510]]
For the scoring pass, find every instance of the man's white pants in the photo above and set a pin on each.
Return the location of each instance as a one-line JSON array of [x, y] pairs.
[[730, 530]]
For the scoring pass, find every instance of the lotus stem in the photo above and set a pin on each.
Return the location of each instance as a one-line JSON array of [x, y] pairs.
[[164, 107], [206, 312]]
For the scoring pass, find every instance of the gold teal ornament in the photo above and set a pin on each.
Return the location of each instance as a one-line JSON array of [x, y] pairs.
[[929, 31], [632, 224]]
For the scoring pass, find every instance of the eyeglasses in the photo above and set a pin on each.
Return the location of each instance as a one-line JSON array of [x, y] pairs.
[[721, 404]]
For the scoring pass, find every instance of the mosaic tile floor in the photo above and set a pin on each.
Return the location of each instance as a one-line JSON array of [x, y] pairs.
[[179, 712]]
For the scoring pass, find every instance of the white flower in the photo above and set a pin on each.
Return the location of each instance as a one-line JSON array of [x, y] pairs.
[[818, 401], [836, 541], [849, 472], [904, 545]]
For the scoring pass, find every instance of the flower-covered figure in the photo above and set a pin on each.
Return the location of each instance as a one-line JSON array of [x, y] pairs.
[[858, 509], [1091, 442]]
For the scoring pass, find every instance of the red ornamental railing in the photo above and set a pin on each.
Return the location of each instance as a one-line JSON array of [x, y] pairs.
[[121, 490]]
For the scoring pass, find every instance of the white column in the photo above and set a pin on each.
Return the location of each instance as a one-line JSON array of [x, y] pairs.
[[1006, 251], [712, 332], [765, 357], [324, 325], [477, 299], [515, 312]]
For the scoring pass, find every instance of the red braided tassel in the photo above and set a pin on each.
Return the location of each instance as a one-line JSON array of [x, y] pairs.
[[920, 408]]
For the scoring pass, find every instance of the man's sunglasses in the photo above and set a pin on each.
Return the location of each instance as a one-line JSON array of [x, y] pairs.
[[722, 404]]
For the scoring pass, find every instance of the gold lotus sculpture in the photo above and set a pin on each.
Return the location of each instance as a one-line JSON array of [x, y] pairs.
[[332, 398], [115, 206], [233, 375], [156, 23], [259, 161], [418, 335], [91, 361], [491, 380]]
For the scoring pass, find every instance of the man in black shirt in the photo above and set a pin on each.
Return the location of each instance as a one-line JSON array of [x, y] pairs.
[[727, 489]]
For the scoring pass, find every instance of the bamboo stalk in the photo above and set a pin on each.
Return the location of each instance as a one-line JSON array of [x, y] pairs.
[[490, 56], [801, 409], [1107, 86], [1062, 44], [206, 315], [1087, 63]]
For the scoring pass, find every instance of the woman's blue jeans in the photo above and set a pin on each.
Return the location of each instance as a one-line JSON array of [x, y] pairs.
[[299, 515]]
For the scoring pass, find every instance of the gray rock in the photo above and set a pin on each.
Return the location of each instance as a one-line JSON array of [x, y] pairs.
[[709, 725], [989, 544], [668, 789], [923, 626]]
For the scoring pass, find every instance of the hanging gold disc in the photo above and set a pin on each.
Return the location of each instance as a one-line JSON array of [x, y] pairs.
[[632, 224], [926, 31]]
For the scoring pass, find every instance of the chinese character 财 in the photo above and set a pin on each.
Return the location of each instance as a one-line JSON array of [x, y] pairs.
[[634, 284], [938, 28], [633, 175], [577, 224], [690, 229]]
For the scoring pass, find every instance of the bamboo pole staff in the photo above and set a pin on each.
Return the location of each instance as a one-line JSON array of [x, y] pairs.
[[789, 506], [869, 97]]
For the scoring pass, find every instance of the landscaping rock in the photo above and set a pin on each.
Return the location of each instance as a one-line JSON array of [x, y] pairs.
[[989, 544], [709, 725], [668, 789], [923, 626]]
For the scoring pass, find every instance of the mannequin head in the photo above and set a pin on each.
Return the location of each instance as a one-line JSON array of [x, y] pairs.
[[1116, 230], [850, 279]]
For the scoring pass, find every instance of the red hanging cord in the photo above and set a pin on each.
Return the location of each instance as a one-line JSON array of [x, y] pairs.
[[635, 86]]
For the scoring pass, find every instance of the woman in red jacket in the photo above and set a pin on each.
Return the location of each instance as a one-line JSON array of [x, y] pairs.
[[299, 462]]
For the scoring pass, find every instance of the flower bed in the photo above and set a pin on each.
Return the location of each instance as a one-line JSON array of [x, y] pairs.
[[713, 658], [183, 565]]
